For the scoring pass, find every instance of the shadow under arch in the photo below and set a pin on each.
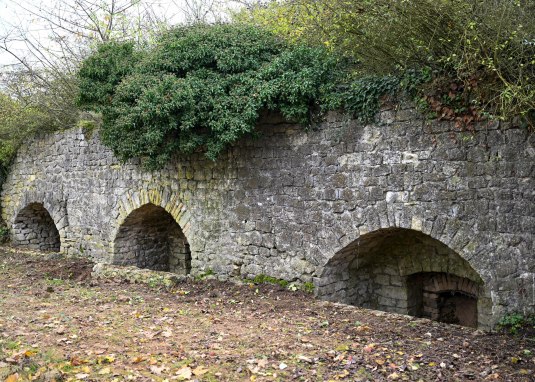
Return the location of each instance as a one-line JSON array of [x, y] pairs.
[[34, 228], [149, 237], [404, 271]]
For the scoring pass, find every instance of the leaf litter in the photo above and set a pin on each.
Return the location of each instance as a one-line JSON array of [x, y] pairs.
[[56, 324]]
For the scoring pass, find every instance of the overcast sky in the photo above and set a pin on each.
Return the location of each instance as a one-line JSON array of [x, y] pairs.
[[13, 16]]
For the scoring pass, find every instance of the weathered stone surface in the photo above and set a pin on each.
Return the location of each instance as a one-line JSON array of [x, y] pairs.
[[135, 275], [292, 203]]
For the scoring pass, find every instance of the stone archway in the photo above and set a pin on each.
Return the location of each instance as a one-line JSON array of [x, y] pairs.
[[34, 228], [403, 271], [150, 238]]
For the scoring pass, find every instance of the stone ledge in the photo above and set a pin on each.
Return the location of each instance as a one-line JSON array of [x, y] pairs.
[[135, 275]]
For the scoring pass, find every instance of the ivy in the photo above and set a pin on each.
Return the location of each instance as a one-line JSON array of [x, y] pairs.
[[362, 97]]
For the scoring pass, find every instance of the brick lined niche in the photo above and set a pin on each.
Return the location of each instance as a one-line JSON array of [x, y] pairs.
[[150, 238], [35, 229], [443, 297], [404, 271]]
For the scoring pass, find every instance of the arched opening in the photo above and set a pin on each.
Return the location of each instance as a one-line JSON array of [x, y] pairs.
[[443, 297], [150, 238], [35, 229], [404, 271]]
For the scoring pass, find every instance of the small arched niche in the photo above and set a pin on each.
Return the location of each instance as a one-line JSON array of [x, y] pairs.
[[151, 238], [443, 297], [35, 229], [404, 271]]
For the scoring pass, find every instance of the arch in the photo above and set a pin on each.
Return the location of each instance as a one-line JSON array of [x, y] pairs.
[[150, 238], [158, 196], [443, 297], [34, 228], [54, 204], [392, 269]]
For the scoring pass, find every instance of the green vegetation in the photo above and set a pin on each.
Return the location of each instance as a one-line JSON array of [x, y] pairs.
[[204, 275], [515, 322], [201, 88], [22, 118], [480, 53], [308, 287], [4, 233], [264, 279], [18, 122]]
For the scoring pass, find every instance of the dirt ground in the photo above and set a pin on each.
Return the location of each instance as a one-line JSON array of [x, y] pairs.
[[56, 324]]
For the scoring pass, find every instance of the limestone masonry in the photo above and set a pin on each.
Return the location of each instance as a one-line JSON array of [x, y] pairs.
[[406, 215]]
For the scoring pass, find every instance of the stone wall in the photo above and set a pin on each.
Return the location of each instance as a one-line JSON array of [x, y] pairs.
[[294, 204]]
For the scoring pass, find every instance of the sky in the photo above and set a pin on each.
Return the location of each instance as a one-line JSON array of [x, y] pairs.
[[14, 16]]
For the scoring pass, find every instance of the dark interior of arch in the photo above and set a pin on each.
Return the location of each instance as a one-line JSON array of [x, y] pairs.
[[150, 238], [35, 229], [443, 297], [404, 271]]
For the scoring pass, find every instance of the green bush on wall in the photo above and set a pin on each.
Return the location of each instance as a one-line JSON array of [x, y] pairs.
[[201, 88]]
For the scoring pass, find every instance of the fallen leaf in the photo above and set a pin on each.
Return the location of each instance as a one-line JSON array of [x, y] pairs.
[[12, 378], [156, 370], [86, 369], [104, 371], [138, 359], [167, 333], [106, 359], [75, 361], [199, 370], [184, 373], [305, 359], [344, 374], [262, 362]]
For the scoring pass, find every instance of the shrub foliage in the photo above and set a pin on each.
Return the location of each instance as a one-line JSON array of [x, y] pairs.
[[18, 123], [201, 88], [481, 53]]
